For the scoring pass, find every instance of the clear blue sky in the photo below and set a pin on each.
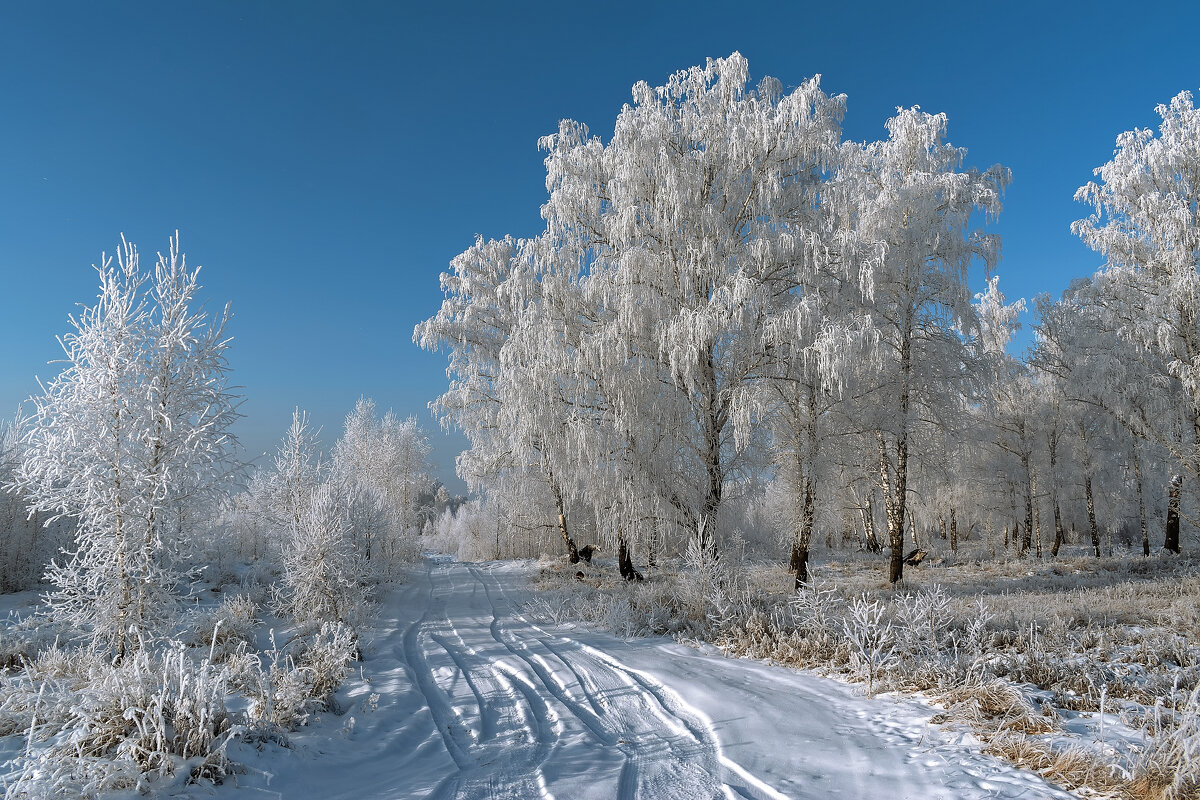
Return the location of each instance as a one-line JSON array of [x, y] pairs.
[[325, 161]]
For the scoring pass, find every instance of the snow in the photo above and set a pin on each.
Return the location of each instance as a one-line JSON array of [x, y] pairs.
[[461, 696]]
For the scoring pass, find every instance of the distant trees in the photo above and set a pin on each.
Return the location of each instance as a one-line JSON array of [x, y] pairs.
[[382, 466], [133, 434], [343, 523]]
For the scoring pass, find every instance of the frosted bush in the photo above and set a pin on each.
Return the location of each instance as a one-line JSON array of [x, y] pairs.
[[225, 628], [872, 639], [326, 661], [704, 591], [295, 682], [972, 650], [323, 574], [1170, 763], [926, 619], [21, 641], [550, 610], [812, 607], [150, 716]]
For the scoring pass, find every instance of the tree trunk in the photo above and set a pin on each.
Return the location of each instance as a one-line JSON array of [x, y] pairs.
[[953, 530], [712, 426], [805, 467], [651, 541], [1052, 442], [895, 508], [799, 562], [798, 565], [868, 516], [896, 497], [1059, 536], [1171, 542], [896, 564], [624, 561], [1137, 475], [1091, 511], [1027, 534], [572, 550], [1037, 516]]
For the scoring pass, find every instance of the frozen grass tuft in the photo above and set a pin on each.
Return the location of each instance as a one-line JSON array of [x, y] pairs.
[[149, 717], [226, 628], [1169, 766]]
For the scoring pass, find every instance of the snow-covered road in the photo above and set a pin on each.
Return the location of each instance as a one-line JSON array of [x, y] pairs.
[[462, 696]]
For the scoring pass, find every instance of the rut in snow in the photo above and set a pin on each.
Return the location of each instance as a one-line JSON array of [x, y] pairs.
[[519, 707]]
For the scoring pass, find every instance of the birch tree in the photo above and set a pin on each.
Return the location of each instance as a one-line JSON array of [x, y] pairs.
[[1013, 400], [1146, 224], [915, 199], [489, 323], [1107, 380], [473, 323], [684, 218], [135, 430]]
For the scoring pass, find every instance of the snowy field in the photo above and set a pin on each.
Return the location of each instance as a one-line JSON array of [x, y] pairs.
[[460, 695]]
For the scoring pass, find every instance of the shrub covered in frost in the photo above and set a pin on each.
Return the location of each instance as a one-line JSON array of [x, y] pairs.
[[111, 727], [292, 682], [226, 628], [323, 575]]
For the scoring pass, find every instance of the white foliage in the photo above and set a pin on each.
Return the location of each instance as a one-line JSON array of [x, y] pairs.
[[1146, 224], [323, 574], [152, 715], [133, 433], [383, 467], [872, 639], [683, 225], [298, 472]]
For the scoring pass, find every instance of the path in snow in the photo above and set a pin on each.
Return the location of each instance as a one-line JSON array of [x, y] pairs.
[[476, 701]]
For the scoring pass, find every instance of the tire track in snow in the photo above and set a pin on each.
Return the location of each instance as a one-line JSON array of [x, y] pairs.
[[670, 749], [516, 728], [423, 679], [738, 781]]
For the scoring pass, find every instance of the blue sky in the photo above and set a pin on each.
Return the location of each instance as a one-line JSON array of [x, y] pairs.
[[325, 161]]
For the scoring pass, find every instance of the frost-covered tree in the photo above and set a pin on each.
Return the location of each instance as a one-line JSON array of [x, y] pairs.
[[403, 455], [507, 391], [297, 474], [27, 545], [1146, 223], [817, 342], [681, 223], [382, 466], [134, 431], [1122, 402], [1012, 399], [473, 323], [913, 196], [322, 572]]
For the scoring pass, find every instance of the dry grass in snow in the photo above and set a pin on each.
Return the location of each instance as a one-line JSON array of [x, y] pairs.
[[1085, 670]]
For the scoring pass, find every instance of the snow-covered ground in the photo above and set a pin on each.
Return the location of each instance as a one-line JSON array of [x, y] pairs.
[[461, 696]]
